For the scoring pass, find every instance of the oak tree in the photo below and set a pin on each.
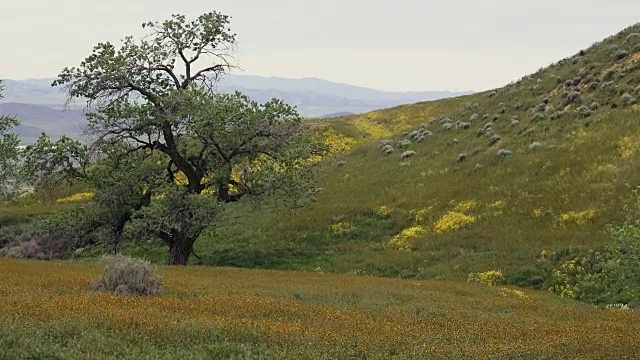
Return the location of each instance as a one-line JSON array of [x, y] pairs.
[[154, 100]]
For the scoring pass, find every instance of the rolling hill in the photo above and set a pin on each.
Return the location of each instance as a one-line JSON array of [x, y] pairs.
[[40, 106], [442, 189]]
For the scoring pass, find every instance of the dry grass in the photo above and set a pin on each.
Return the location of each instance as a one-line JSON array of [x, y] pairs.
[[270, 314]]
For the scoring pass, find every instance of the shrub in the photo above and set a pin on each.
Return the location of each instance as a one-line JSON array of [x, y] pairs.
[[127, 276], [620, 54], [541, 107], [584, 111], [491, 277], [537, 117], [12, 233], [503, 153], [628, 99], [386, 142], [535, 146], [633, 36], [404, 143], [28, 250], [572, 97], [593, 85], [636, 48], [558, 114], [494, 139], [407, 154], [607, 85], [594, 106]]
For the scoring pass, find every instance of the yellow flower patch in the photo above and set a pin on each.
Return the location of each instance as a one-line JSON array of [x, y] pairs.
[[452, 220], [576, 217], [79, 197], [401, 241]]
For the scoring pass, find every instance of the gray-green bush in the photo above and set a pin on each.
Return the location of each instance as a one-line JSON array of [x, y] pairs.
[[127, 276]]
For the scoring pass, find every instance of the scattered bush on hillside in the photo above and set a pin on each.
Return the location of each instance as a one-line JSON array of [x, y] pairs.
[[632, 37], [503, 153], [464, 125], [584, 111], [537, 117], [620, 54], [407, 154], [461, 157], [123, 275], [558, 114], [594, 106], [609, 74], [636, 48], [474, 117], [572, 97], [491, 277], [387, 142], [541, 107], [593, 85], [637, 90], [387, 149], [403, 143], [494, 139], [628, 99], [535, 146], [607, 85]]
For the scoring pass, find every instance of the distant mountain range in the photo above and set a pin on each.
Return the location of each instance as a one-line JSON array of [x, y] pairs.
[[42, 108]]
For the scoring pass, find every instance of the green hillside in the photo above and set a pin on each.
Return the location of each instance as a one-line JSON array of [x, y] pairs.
[[544, 163]]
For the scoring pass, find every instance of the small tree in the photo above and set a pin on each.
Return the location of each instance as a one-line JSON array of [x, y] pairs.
[[153, 97], [9, 154]]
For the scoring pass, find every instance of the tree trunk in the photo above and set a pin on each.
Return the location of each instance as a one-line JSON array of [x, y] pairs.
[[180, 251]]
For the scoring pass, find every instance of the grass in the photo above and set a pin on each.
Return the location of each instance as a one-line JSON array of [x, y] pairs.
[[223, 313], [561, 195]]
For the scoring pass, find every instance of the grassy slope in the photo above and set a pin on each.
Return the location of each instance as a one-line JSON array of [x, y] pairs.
[[48, 313], [562, 195]]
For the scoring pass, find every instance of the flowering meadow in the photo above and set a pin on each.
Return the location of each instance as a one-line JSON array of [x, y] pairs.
[[47, 312]]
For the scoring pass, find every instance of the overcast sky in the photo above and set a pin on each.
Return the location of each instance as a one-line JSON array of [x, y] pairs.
[[389, 45]]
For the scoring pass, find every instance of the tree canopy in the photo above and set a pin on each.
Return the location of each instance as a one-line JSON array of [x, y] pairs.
[[9, 154], [152, 101]]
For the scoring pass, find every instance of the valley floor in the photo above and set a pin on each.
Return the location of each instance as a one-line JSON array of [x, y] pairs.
[[47, 312]]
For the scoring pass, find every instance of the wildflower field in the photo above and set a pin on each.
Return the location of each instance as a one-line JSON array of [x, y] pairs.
[[47, 312]]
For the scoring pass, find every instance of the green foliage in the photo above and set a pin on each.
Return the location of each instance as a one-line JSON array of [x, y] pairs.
[[609, 276], [9, 181], [123, 275], [48, 164], [150, 102]]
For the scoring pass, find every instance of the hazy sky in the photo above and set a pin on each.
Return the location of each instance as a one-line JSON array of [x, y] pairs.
[[389, 45]]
